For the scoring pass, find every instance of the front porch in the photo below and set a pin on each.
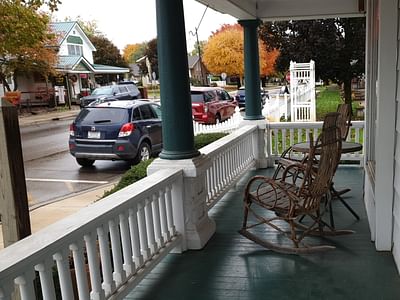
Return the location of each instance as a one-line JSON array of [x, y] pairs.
[[232, 267]]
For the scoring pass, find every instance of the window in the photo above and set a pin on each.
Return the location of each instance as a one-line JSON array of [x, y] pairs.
[[136, 114], [156, 110], [123, 89], [75, 49], [146, 112]]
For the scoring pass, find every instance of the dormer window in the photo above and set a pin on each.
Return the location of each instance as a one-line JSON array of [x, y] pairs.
[[75, 45]]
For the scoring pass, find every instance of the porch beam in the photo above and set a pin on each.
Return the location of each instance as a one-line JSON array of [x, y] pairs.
[[176, 107], [252, 70]]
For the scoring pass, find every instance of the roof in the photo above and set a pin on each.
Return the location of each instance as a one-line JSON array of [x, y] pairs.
[[62, 29], [74, 63], [274, 10], [79, 64], [123, 103], [192, 60], [109, 69]]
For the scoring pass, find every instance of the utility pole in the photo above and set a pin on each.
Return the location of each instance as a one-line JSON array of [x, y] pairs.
[[198, 46]]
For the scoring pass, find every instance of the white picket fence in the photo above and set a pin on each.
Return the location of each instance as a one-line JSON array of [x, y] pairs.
[[277, 107], [227, 126]]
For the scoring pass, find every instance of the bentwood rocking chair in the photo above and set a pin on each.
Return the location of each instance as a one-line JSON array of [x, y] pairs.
[[279, 203]]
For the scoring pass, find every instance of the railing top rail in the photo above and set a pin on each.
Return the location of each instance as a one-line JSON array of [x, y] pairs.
[[49, 240], [215, 147], [305, 125]]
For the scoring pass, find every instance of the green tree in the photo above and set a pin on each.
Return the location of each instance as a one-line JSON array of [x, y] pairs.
[[195, 50], [336, 45], [26, 43], [106, 52], [151, 53]]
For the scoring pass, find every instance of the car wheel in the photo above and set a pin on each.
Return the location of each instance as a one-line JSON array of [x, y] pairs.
[[217, 119], [144, 153], [85, 162]]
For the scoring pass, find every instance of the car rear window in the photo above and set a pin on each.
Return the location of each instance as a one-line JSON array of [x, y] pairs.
[[102, 115], [103, 91], [240, 92], [197, 96]]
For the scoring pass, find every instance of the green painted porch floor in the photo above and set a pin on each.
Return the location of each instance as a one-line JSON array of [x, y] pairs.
[[232, 267]]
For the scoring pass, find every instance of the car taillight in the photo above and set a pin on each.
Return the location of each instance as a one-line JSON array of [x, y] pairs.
[[126, 130], [205, 108], [72, 129]]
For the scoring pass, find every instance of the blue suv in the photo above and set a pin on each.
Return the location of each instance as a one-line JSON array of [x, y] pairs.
[[118, 130]]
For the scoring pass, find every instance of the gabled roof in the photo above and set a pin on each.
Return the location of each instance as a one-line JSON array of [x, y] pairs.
[[192, 60], [79, 64], [74, 63], [62, 29]]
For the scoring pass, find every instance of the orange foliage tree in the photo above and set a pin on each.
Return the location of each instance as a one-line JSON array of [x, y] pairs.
[[133, 52], [224, 53]]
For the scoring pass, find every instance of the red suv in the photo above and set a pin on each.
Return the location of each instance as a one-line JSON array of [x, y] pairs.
[[211, 105]]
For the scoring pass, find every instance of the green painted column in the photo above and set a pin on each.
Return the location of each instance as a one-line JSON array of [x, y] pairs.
[[251, 70], [176, 104]]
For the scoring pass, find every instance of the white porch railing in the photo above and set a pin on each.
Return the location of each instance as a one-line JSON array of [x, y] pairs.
[[281, 135], [231, 156], [107, 247]]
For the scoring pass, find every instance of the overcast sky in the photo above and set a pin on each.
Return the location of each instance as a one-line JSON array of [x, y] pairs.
[[134, 21]]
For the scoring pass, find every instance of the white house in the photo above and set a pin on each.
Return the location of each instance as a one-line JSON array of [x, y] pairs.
[[77, 72]]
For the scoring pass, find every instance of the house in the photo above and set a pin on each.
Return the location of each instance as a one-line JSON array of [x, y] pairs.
[[169, 210], [77, 73], [197, 70]]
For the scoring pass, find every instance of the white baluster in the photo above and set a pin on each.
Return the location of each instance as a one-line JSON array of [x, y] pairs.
[[80, 270], [144, 246], [157, 222], [64, 274], [46, 279], [97, 293], [135, 239], [163, 215], [170, 215], [128, 264], [104, 245], [150, 226], [119, 274], [25, 284]]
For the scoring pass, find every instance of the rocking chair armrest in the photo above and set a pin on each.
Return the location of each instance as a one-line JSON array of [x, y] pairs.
[[301, 167]]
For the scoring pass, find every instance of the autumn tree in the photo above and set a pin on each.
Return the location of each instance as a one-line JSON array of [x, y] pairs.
[[106, 52], [26, 44], [336, 45], [224, 53], [132, 52]]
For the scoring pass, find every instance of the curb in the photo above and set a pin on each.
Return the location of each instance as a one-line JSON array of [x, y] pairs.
[[28, 121]]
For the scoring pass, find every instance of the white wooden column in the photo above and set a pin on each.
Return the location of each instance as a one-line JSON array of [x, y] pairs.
[[386, 123]]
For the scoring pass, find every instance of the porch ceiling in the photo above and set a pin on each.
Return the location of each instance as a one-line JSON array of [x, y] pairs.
[[268, 10]]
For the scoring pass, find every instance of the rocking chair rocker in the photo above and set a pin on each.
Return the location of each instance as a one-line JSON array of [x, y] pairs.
[[279, 203]]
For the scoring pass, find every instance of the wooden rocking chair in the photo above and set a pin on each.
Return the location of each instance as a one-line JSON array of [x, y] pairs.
[[278, 204]]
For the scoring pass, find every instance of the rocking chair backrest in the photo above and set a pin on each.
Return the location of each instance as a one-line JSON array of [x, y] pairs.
[[322, 168], [344, 110]]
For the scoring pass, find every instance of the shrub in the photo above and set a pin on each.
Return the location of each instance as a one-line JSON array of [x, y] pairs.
[[204, 139], [138, 171]]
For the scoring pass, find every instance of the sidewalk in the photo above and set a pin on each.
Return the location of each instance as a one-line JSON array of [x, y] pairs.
[[44, 115]]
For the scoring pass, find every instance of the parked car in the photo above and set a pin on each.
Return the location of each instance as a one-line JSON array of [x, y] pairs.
[[112, 92], [211, 105], [127, 130], [241, 99]]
